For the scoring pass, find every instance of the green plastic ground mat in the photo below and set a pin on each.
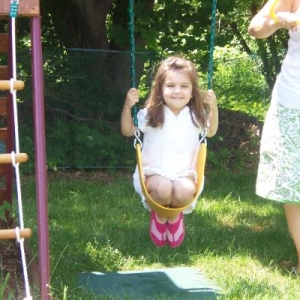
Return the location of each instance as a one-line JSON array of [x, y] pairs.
[[173, 283]]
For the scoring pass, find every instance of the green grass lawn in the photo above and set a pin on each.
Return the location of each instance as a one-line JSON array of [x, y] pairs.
[[235, 238]]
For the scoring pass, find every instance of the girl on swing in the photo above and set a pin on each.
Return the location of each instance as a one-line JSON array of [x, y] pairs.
[[173, 118]]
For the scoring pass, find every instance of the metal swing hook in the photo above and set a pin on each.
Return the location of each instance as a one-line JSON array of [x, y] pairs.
[[137, 139]]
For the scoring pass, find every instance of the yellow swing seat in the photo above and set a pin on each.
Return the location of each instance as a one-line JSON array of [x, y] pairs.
[[170, 211]]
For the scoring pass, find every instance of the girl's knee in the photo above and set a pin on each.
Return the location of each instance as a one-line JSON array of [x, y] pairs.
[[160, 189], [183, 191], [163, 190]]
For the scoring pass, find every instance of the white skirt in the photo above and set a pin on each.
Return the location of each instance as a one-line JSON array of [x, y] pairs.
[[279, 166]]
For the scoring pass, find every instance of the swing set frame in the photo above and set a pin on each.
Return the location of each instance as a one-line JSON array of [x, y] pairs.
[[31, 9]]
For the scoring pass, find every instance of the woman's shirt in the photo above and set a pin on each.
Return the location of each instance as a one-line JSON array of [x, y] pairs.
[[170, 150], [287, 87]]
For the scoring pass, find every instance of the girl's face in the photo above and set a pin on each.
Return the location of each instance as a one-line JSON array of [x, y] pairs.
[[177, 90]]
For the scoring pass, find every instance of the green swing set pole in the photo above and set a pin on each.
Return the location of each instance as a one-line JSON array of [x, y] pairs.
[[132, 55], [211, 46]]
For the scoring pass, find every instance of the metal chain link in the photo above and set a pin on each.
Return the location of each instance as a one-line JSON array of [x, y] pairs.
[[132, 55], [211, 46]]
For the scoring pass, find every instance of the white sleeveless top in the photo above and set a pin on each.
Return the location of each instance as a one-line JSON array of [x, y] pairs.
[[171, 150], [287, 87]]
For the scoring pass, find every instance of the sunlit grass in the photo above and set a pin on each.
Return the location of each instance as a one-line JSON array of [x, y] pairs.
[[236, 239]]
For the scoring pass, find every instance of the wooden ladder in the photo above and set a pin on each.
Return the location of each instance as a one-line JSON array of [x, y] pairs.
[[6, 129], [7, 139], [30, 9]]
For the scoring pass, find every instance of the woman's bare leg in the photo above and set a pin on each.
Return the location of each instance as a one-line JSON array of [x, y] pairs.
[[292, 213]]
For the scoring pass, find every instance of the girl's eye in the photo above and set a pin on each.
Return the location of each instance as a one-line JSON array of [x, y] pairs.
[[171, 85]]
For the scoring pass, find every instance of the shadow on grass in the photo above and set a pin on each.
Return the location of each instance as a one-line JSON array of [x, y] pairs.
[[174, 283]]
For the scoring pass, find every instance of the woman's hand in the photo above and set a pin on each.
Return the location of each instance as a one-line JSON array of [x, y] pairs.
[[287, 20]]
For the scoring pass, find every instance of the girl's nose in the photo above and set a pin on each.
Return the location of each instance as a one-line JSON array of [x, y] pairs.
[[177, 89]]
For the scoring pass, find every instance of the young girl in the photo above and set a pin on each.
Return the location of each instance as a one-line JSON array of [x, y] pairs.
[[173, 117], [278, 173]]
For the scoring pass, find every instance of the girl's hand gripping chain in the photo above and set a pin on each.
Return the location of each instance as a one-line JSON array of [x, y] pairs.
[[210, 100], [132, 97], [127, 125]]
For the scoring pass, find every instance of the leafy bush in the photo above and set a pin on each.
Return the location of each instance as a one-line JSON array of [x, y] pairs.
[[239, 82]]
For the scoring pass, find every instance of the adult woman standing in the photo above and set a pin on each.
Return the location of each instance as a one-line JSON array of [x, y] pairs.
[[279, 167]]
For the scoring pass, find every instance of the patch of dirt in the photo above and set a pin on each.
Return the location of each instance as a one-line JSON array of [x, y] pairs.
[[12, 279], [11, 270]]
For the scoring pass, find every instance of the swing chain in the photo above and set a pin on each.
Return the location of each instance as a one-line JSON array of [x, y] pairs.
[[211, 48], [14, 6], [132, 55], [132, 41]]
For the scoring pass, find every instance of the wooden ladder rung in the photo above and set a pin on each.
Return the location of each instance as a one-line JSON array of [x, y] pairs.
[[5, 85], [8, 158], [11, 234]]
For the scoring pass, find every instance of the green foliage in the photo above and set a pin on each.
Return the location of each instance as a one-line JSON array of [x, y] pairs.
[[106, 257], [84, 90], [4, 209], [218, 159], [239, 83], [161, 26], [93, 145], [4, 285], [83, 112]]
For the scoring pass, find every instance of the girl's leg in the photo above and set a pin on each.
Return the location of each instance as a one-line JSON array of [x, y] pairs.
[[160, 189], [292, 213], [184, 189]]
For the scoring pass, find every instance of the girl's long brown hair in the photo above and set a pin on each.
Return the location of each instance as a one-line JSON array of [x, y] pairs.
[[155, 101]]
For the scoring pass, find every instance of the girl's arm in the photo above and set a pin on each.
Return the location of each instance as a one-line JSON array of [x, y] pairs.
[[211, 100], [262, 25], [127, 126]]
